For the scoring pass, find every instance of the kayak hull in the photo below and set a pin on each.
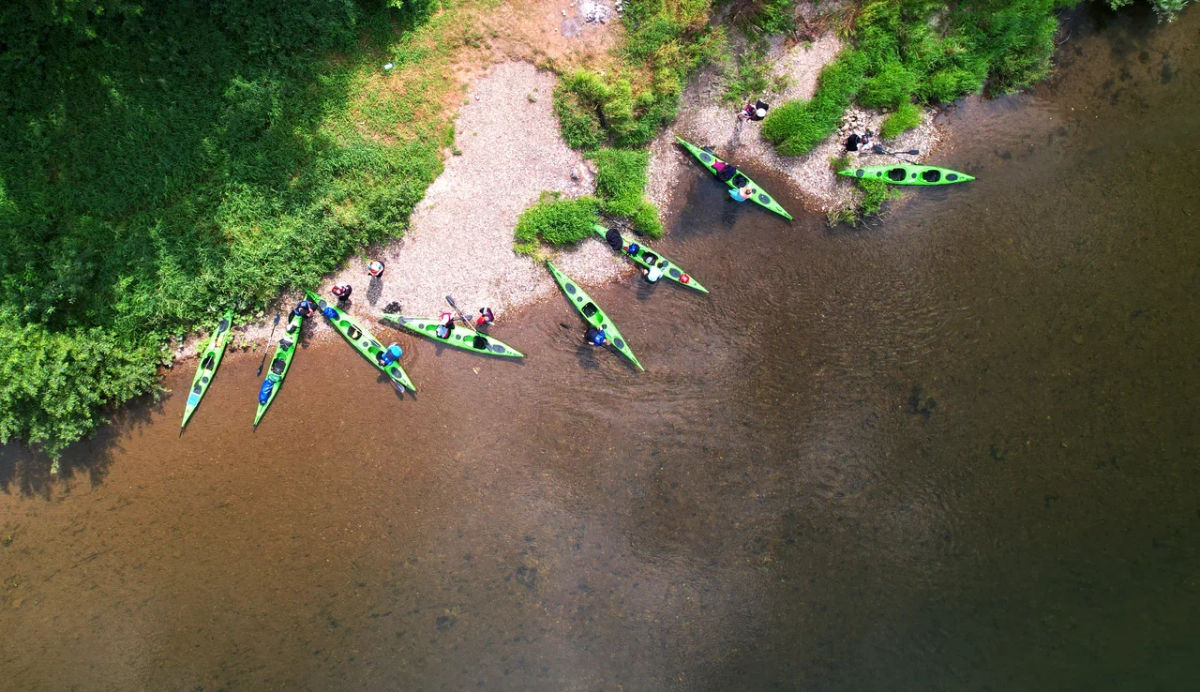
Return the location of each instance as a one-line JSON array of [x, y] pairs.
[[210, 359], [281, 362], [708, 159], [362, 341], [464, 339], [908, 174], [670, 270], [597, 319]]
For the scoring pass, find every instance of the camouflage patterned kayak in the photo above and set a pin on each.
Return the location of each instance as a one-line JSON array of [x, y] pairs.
[[210, 358], [908, 174], [645, 257], [460, 338], [594, 315], [739, 180], [280, 362], [361, 340]]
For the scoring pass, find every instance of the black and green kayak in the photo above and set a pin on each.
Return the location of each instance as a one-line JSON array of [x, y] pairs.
[[908, 174], [210, 358], [280, 362], [361, 340], [593, 314], [645, 257], [738, 181], [460, 338]]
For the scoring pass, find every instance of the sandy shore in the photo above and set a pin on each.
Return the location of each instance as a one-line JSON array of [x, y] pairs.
[[508, 150]]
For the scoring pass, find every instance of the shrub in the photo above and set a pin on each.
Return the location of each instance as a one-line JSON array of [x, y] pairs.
[[621, 184], [906, 117], [783, 120], [555, 221], [889, 87]]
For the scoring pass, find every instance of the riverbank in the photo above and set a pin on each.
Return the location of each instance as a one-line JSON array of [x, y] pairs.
[[508, 150]]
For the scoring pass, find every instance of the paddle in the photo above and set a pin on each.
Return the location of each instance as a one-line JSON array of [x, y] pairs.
[[461, 316], [264, 358], [878, 149]]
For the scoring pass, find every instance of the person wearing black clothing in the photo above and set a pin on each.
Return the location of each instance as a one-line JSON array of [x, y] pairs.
[[613, 238]]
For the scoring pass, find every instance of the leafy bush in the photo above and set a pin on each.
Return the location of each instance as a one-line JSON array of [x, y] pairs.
[[890, 86], [620, 179], [927, 52], [53, 384], [621, 184], [906, 117], [665, 41], [796, 127], [555, 221], [235, 147]]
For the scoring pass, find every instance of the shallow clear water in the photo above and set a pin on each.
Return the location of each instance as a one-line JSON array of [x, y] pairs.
[[954, 450]]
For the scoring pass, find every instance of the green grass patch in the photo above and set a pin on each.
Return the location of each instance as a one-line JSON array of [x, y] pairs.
[[621, 185], [906, 117], [874, 193], [554, 221]]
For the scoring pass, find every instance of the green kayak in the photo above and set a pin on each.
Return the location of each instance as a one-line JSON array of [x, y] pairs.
[[280, 362], [645, 257], [739, 180], [209, 360], [593, 314], [361, 340], [908, 174], [460, 338]]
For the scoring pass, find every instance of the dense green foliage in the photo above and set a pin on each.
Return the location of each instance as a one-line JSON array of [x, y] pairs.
[[163, 161], [555, 221], [52, 384], [797, 126], [665, 41], [908, 52], [621, 184]]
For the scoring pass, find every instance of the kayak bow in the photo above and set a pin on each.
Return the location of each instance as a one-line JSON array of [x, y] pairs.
[[739, 180], [645, 256], [908, 174], [592, 313], [362, 341], [280, 362], [467, 340], [210, 359]]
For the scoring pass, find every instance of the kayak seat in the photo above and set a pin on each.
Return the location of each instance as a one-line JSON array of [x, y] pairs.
[[589, 309], [479, 342], [931, 176], [896, 175], [740, 180], [278, 365], [354, 332], [650, 257], [207, 363]]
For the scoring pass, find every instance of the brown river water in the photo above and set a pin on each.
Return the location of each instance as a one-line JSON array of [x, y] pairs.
[[954, 450]]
